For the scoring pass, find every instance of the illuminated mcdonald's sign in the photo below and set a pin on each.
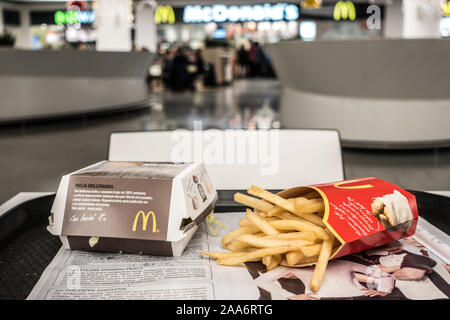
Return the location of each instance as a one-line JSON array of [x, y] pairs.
[[145, 217], [241, 13], [344, 10], [446, 8], [164, 14]]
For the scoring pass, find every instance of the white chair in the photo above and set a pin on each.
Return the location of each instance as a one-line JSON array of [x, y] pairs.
[[236, 159]]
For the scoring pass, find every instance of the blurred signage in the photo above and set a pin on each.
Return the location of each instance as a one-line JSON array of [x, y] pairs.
[[73, 17], [164, 14], [308, 30], [311, 4], [11, 17], [444, 27], [219, 33], [344, 10], [222, 13], [446, 8]]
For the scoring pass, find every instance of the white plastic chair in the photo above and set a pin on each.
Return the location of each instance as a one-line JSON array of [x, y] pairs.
[[236, 159]]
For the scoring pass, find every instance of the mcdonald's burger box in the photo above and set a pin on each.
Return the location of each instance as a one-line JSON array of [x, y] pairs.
[[132, 207]]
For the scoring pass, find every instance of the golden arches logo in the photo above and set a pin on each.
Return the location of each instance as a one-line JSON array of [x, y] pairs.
[[339, 185], [145, 217], [344, 10], [164, 14], [446, 8]]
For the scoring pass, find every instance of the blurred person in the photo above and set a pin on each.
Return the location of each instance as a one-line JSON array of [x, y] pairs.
[[82, 46], [199, 62], [252, 59], [200, 68], [243, 60], [256, 59], [179, 76], [167, 60]]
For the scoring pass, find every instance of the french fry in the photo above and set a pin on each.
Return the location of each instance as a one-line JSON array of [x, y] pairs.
[[309, 206], [293, 257], [312, 195], [321, 265], [275, 211], [261, 242], [262, 224], [284, 203], [244, 223], [272, 198], [298, 235], [219, 255], [289, 216], [307, 260], [236, 233], [252, 202], [300, 226], [261, 214], [237, 246], [266, 260], [275, 261], [310, 251], [257, 254], [302, 261]]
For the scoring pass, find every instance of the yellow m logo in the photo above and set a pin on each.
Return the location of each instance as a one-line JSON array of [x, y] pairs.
[[446, 8], [145, 220], [344, 10], [164, 14], [339, 185]]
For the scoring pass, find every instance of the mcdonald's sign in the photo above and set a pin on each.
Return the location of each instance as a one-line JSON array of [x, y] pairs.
[[164, 14], [344, 10], [446, 8], [145, 217]]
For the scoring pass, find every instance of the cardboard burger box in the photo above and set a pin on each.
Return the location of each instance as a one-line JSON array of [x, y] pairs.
[[363, 213], [132, 207]]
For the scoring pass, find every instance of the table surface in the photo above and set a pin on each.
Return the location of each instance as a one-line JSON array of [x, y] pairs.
[[26, 252]]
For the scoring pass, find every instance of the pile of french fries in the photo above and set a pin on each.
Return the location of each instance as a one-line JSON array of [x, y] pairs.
[[278, 231]]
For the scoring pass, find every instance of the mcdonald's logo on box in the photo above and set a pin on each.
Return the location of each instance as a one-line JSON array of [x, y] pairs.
[[132, 207], [145, 217]]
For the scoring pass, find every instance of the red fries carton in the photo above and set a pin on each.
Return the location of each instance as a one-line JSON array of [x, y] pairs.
[[364, 213]]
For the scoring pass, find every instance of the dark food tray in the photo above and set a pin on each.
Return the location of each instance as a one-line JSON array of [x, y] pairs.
[[26, 247]]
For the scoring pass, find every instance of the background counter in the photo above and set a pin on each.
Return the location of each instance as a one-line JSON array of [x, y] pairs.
[[43, 84]]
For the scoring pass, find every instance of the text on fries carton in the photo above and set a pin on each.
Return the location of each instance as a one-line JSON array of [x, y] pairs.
[[364, 213], [132, 207]]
